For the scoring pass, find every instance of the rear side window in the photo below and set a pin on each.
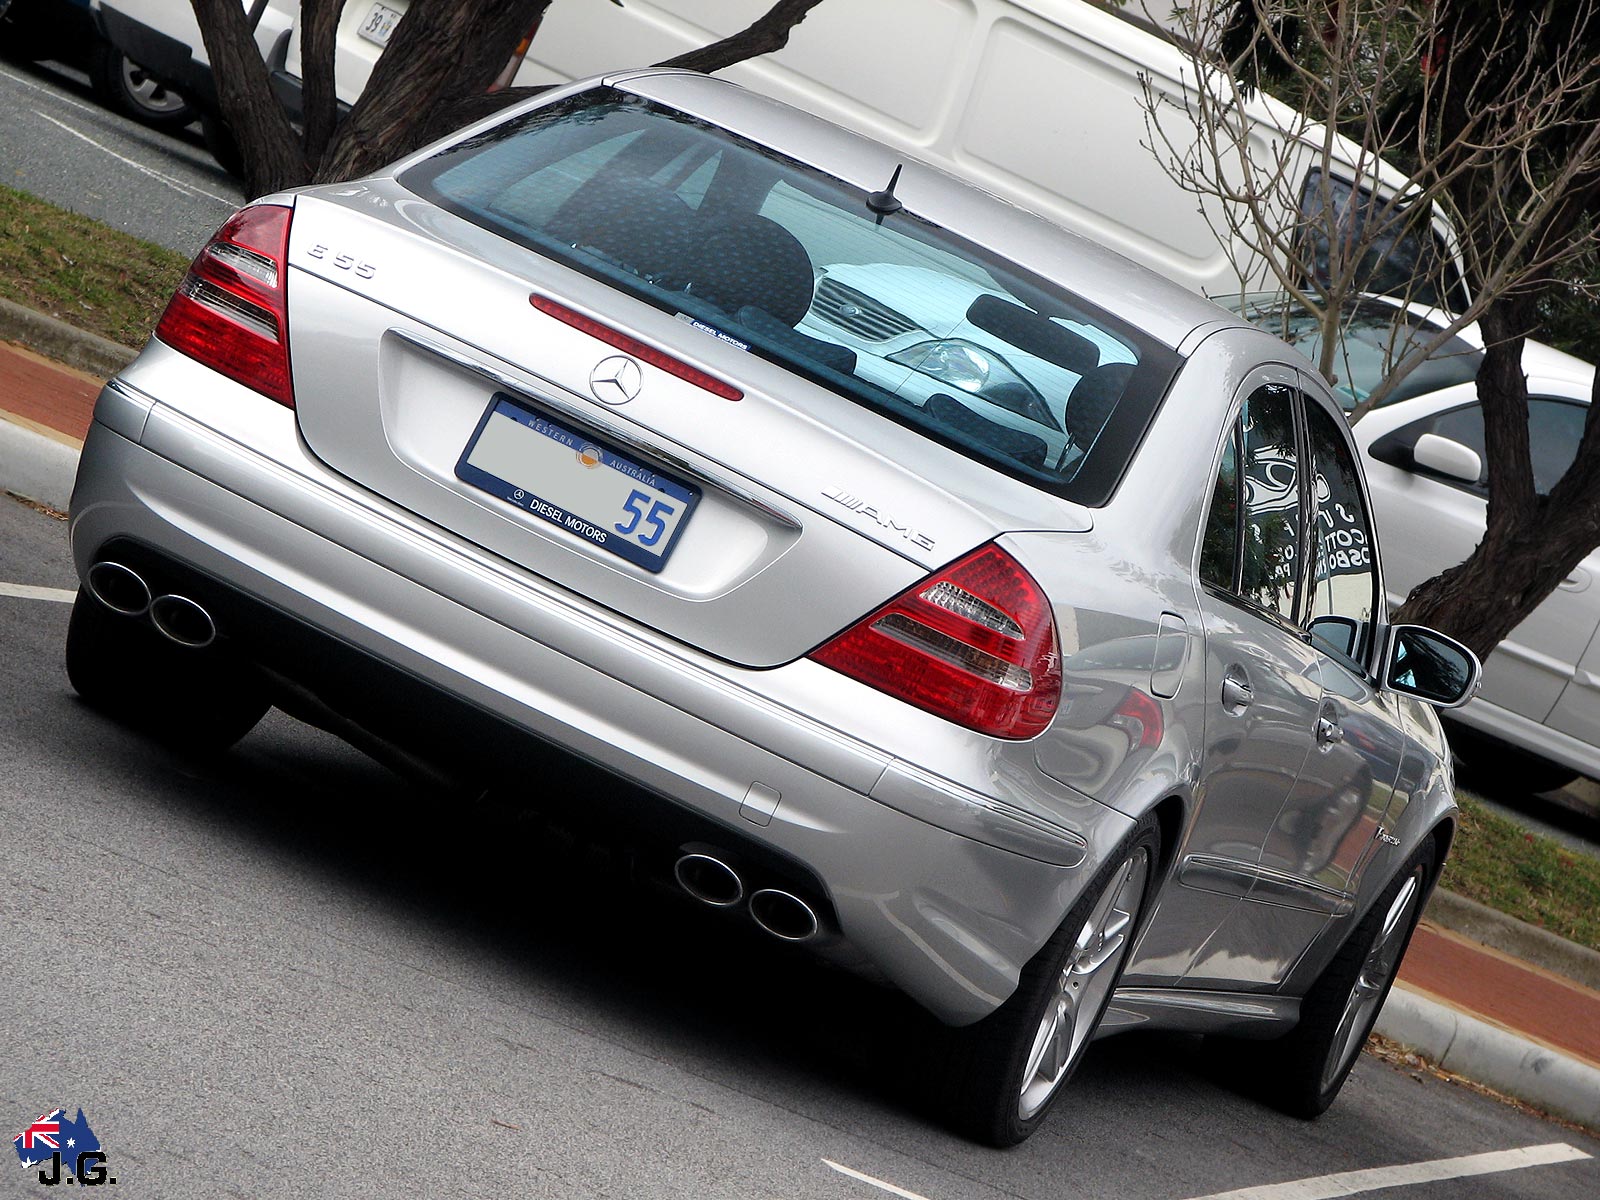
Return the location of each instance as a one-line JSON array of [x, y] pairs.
[[791, 264]]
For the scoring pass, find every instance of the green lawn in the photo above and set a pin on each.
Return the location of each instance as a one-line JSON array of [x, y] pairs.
[[81, 271], [1497, 862]]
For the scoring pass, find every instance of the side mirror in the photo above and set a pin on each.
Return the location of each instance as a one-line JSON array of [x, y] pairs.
[[1422, 663], [1448, 458], [1341, 634]]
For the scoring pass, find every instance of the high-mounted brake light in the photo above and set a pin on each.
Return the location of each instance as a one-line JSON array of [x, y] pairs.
[[974, 643], [231, 311], [633, 346]]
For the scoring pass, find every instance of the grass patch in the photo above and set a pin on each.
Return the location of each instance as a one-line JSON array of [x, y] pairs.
[[82, 272], [1496, 862]]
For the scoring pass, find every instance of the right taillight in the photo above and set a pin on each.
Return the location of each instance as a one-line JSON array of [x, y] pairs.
[[974, 643], [231, 311]]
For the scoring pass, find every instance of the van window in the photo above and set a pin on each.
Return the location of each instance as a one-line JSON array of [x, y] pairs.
[[1417, 269], [788, 263]]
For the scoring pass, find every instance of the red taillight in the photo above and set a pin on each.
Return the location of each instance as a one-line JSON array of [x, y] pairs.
[[974, 643], [231, 311]]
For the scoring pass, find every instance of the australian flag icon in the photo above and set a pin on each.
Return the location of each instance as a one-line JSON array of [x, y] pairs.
[[55, 1133]]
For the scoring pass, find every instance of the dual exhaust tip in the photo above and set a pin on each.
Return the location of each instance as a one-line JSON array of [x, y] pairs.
[[710, 880], [177, 618]]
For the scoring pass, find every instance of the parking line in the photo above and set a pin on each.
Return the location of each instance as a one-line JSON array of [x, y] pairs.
[[175, 184], [877, 1183], [54, 95], [26, 591], [1350, 1183]]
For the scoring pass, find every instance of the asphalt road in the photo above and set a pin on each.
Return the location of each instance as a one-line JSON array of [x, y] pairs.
[[58, 144], [287, 972]]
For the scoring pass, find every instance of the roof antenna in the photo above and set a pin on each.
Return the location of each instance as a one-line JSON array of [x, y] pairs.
[[886, 203]]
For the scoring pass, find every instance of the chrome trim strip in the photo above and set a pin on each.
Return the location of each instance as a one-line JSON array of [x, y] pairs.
[[1208, 873], [1237, 1014], [543, 393]]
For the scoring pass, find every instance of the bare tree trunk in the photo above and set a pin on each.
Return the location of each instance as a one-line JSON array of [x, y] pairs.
[[441, 49], [1531, 543], [766, 35], [267, 142], [319, 99]]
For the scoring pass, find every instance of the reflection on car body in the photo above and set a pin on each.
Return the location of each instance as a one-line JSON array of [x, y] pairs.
[[1068, 759]]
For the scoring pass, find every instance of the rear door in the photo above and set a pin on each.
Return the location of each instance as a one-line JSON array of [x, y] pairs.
[[1262, 694], [1324, 838]]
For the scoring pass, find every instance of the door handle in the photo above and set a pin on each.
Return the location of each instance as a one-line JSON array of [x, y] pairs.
[[1329, 732], [1236, 692]]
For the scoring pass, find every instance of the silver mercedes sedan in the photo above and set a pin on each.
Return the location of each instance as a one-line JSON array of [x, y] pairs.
[[902, 575]]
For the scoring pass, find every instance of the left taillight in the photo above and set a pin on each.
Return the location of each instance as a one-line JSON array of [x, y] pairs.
[[231, 312]]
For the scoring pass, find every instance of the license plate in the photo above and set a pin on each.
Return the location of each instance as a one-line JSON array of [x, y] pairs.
[[587, 487], [380, 23]]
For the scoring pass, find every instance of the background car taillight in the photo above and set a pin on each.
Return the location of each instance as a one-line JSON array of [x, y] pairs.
[[231, 311], [974, 643]]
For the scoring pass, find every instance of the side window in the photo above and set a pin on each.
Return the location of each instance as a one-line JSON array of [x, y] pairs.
[[1271, 532], [1554, 429], [1343, 580], [1219, 549]]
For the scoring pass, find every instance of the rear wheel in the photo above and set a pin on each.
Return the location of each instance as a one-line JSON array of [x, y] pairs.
[[1302, 1072], [192, 699], [1007, 1070]]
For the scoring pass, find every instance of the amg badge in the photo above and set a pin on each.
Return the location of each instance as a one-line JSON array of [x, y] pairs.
[[862, 509]]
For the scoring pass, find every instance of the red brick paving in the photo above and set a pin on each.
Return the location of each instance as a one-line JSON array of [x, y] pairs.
[[1558, 1012], [45, 393]]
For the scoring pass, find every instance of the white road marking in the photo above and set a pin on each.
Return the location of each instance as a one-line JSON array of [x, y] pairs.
[[52, 93], [877, 1183], [26, 591], [176, 184], [1350, 1183]]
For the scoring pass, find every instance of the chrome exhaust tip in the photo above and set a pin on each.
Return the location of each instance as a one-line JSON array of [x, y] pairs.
[[183, 621], [709, 880], [784, 915], [120, 588]]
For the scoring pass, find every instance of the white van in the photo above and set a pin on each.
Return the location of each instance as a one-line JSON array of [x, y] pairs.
[[1039, 101]]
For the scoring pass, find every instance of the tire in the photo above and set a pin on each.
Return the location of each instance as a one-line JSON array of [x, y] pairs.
[[194, 700], [222, 145], [1005, 1072], [125, 87], [1302, 1072], [1493, 767]]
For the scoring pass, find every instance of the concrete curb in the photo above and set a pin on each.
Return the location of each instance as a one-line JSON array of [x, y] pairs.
[[1529, 943], [55, 339], [36, 467], [1497, 1058]]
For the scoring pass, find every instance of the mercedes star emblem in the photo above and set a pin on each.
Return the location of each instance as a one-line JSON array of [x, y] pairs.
[[615, 380]]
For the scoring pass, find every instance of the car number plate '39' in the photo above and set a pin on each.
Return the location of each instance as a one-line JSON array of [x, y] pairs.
[[379, 23], [555, 473]]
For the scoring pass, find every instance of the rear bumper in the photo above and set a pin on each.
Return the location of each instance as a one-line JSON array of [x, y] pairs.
[[945, 891]]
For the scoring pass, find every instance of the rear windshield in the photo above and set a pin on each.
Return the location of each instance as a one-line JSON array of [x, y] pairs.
[[793, 265]]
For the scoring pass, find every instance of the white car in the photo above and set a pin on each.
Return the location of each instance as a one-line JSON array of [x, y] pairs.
[[1536, 723]]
